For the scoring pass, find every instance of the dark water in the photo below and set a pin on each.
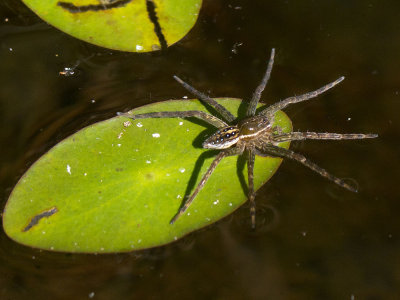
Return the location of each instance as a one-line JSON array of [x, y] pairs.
[[326, 243]]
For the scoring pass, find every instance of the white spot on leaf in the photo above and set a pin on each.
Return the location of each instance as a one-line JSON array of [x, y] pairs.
[[156, 135], [69, 169]]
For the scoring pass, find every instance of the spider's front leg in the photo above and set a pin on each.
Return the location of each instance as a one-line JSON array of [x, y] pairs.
[[297, 136]]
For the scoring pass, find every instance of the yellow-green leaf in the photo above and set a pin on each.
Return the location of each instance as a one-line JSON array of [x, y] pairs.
[[115, 185], [127, 25]]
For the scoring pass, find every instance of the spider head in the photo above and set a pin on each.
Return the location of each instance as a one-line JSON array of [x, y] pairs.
[[251, 127], [223, 138]]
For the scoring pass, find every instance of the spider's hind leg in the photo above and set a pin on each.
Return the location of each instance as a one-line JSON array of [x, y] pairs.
[[210, 119], [204, 179], [251, 193], [226, 114]]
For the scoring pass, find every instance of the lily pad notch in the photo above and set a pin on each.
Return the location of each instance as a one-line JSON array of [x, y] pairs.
[[110, 4], [124, 25]]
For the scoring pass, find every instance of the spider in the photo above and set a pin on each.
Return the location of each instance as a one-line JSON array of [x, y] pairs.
[[253, 135]]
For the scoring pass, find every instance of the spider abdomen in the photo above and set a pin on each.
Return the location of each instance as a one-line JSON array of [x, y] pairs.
[[223, 138]]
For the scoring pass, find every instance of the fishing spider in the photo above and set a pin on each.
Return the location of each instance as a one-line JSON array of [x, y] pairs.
[[254, 135]]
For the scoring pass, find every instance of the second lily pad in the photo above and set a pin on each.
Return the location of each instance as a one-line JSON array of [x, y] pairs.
[[127, 25]]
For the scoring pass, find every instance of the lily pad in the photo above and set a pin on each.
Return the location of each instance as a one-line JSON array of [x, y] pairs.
[[127, 25], [115, 185]]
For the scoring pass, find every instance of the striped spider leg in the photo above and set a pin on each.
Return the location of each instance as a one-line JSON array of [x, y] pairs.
[[252, 135]]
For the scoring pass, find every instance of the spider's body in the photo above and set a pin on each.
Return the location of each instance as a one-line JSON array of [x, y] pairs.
[[254, 135], [224, 138], [248, 132]]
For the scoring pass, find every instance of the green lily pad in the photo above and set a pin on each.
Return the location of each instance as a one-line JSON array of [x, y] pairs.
[[127, 25], [115, 185]]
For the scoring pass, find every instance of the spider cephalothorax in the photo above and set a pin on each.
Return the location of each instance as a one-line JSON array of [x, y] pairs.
[[253, 135]]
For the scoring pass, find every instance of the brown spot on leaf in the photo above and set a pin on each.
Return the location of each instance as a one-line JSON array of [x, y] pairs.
[[35, 220]]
